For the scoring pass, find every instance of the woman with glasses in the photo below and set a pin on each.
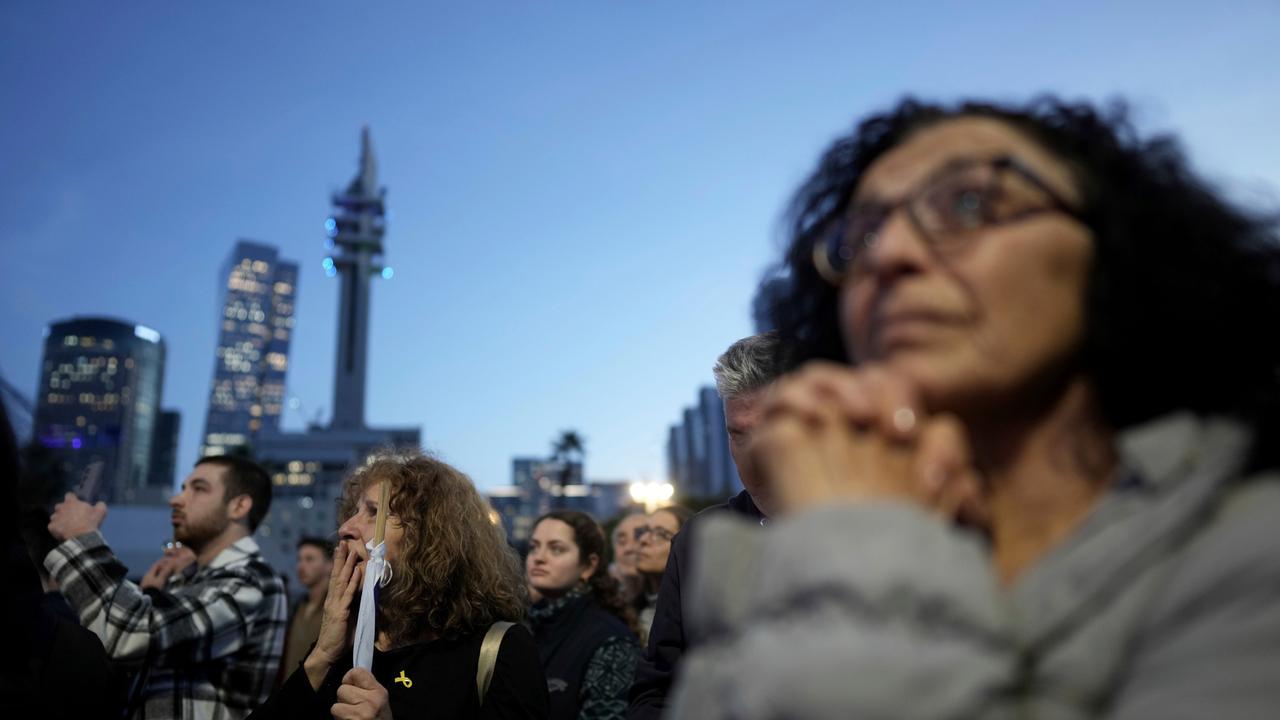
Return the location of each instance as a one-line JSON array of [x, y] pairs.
[[583, 629], [655, 538], [1028, 460]]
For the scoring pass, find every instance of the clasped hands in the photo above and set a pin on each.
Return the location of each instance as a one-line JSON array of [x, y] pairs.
[[832, 433]]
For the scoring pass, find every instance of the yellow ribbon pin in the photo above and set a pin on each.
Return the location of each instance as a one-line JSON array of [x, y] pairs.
[[402, 679]]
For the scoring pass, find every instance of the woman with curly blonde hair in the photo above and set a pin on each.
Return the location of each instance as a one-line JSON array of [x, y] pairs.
[[452, 576]]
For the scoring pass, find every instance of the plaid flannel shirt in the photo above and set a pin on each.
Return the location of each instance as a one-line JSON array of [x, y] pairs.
[[212, 642]]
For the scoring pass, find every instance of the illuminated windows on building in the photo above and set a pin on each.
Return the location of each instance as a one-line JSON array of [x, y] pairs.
[[101, 381], [246, 395]]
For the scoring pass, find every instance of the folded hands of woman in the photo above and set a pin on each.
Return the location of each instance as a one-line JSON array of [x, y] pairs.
[[833, 433]]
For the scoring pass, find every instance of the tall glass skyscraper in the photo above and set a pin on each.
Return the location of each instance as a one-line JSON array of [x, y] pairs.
[[164, 452], [100, 385], [258, 294]]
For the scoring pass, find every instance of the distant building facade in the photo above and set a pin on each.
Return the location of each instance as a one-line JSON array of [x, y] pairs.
[[164, 451], [609, 498], [698, 459], [258, 293], [539, 485], [98, 404], [307, 471]]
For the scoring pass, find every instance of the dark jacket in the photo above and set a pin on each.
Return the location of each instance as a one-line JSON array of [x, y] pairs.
[[432, 679], [656, 669], [588, 656], [54, 668]]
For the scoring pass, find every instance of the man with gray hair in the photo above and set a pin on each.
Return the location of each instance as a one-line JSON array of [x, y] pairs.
[[744, 374]]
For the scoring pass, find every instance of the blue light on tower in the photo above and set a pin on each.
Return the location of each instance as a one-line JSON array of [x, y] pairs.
[[387, 273], [329, 269], [331, 226]]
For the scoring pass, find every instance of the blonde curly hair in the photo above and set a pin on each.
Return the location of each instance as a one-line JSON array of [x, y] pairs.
[[456, 574]]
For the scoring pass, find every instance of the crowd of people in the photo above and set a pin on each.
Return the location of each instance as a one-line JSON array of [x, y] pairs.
[[1011, 451]]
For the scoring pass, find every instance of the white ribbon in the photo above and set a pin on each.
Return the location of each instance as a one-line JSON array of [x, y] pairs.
[[365, 621]]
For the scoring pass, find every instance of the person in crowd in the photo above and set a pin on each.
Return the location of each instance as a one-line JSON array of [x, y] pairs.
[[744, 375], [655, 536], [1029, 466], [315, 566], [583, 629], [44, 644], [452, 580], [205, 647], [625, 548]]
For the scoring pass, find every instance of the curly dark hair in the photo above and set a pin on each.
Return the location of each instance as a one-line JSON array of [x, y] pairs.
[[456, 575], [1182, 302], [589, 537]]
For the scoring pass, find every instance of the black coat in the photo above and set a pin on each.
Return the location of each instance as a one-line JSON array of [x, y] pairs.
[[567, 639], [433, 679], [656, 670]]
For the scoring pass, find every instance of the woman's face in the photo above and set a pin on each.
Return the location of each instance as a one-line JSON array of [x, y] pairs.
[[994, 316], [554, 564], [360, 527], [655, 544]]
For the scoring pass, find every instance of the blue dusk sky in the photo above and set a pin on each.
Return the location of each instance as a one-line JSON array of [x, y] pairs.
[[583, 195]]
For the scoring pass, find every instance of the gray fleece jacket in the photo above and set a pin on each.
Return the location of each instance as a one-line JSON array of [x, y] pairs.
[[1164, 603]]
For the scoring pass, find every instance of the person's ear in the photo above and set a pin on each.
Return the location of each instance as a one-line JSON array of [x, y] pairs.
[[589, 569], [239, 507]]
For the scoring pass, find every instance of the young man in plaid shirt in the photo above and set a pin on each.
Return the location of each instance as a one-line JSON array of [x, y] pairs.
[[205, 646]]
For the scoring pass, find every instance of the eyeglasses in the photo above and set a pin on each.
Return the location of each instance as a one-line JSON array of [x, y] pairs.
[[947, 210], [662, 534]]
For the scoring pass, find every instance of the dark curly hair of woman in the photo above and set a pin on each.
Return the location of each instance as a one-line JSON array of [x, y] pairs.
[[1183, 299], [589, 537]]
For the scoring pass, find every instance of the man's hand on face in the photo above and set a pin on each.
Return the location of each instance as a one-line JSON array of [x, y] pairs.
[[74, 517]]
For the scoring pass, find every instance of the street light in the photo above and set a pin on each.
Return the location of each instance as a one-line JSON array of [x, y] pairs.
[[651, 494]]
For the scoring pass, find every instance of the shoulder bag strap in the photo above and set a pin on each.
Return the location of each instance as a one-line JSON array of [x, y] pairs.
[[489, 657]]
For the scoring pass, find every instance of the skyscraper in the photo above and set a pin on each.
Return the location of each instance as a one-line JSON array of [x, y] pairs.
[[164, 452], [539, 485], [99, 395], [307, 468], [257, 295], [698, 458]]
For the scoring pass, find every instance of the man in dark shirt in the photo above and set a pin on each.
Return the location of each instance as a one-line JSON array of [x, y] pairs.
[[744, 374]]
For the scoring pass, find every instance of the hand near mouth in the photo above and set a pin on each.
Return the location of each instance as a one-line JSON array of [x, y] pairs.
[[336, 626]]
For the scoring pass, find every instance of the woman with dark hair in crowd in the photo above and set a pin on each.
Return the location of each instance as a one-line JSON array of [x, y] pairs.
[[584, 630], [452, 577], [1029, 464], [655, 538]]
